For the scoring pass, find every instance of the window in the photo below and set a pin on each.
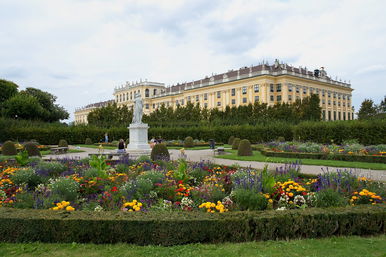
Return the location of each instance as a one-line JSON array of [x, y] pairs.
[[271, 88], [324, 114], [233, 91], [289, 88], [317, 91], [256, 88], [218, 103], [182, 101], [348, 116], [334, 95], [244, 90], [334, 102], [338, 115], [278, 98], [344, 104], [271, 97], [334, 115], [323, 101], [218, 94], [153, 106], [256, 98], [290, 98], [304, 90], [177, 102], [339, 96], [233, 101], [197, 98], [147, 92], [147, 106], [278, 88], [323, 93], [244, 100], [117, 99], [338, 103], [344, 97], [297, 90], [348, 98], [329, 115], [131, 95], [127, 96], [205, 96], [155, 91], [120, 98], [344, 116], [206, 105], [329, 102], [188, 100]]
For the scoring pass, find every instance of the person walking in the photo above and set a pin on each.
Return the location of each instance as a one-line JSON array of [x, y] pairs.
[[106, 138]]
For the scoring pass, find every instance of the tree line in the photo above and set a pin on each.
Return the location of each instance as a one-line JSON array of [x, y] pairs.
[[307, 109]]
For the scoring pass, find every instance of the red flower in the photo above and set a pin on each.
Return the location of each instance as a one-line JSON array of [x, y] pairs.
[[114, 189], [304, 193]]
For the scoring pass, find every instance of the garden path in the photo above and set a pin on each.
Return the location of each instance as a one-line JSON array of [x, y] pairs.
[[207, 155]]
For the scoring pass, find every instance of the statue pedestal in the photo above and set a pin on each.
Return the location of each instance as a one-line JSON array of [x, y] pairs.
[[138, 139]]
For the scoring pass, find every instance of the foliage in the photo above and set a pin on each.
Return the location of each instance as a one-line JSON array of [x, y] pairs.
[[230, 140], [188, 142], [8, 148], [110, 116], [62, 143], [65, 188], [367, 109], [329, 198], [250, 200], [50, 169], [22, 158], [7, 90], [99, 163], [244, 148], [26, 176], [236, 143], [88, 141], [159, 152], [32, 149]]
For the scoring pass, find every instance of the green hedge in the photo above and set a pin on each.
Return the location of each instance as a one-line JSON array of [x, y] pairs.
[[18, 225], [367, 132], [322, 156]]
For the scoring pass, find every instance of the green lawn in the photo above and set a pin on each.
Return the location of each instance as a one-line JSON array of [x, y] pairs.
[[198, 147], [257, 156], [97, 146], [47, 152], [335, 246]]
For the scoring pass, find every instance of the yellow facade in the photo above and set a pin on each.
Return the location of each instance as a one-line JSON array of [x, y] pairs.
[[262, 83]]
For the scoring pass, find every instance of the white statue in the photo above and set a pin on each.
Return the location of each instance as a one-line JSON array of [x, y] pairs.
[[138, 109]]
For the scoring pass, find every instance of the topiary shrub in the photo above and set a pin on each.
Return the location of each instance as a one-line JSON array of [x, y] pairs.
[[235, 144], [188, 142], [88, 141], [62, 143], [32, 149], [280, 139], [245, 148], [160, 152], [8, 148], [230, 140]]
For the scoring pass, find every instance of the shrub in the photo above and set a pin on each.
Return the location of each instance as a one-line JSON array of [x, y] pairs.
[[65, 188], [235, 144], [188, 142], [153, 175], [329, 198], [51, 169], [198, 174], [62, 143], [8, 148], [244, 148], [32, 149], [280, 139], [88, 141], [230, 140], [250, 200], [26, 177], [159, 152], [127, 142]]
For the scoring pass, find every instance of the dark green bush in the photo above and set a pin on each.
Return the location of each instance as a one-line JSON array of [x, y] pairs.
[[88, 141], [172, 228], [160, 152], [280, 139], [329, 198], [244, 148], [32, 149], [8, 148], [250, 200], [62, 143], [188, 142], [127, 142], [235, 144], [230, 140]]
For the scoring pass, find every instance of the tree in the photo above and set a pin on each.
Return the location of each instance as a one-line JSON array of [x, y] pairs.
[[110, 116], [52, 111], [7, 90], [23, 106], [311, 109], [367, 109]]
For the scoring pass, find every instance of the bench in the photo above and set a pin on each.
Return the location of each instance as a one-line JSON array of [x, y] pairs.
[[219, 151], [109, 156], [58, 150]]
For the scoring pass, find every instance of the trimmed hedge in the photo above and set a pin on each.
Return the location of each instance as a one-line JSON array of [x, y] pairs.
[[323, 156], [22, 225], [367, 132]]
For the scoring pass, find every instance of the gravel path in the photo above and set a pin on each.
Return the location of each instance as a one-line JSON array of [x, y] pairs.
[[207, 155]]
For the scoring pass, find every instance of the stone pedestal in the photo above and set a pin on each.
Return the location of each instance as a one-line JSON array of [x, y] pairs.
[[138, 139]]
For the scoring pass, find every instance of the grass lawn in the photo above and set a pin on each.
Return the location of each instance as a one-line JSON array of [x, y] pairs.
[[257, 156], [48, 152], [199, 147], [335, 246], [97, 146]]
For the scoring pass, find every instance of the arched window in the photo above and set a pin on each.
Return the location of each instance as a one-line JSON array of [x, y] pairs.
[[154, 91], [131, 95], [146, 92]]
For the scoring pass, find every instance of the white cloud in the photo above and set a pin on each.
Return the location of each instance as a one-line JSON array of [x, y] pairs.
[[81, 50]]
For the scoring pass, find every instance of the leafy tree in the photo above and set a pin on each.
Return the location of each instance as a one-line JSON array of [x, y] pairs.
[[367, 109], [110, 116], [311, 108], [23, 106], [7, 90]]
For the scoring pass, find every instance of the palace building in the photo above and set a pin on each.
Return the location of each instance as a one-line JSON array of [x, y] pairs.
[[262, 83]]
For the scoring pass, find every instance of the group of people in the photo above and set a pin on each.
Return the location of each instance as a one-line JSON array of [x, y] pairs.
[[122, 146], [155, 141]]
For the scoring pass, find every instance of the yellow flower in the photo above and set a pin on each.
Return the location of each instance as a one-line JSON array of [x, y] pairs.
[[270, 201], [291, 194], [55, 208], [70, 208]]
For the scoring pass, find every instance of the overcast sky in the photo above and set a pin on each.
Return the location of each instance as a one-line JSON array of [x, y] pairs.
[[79, 50]]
